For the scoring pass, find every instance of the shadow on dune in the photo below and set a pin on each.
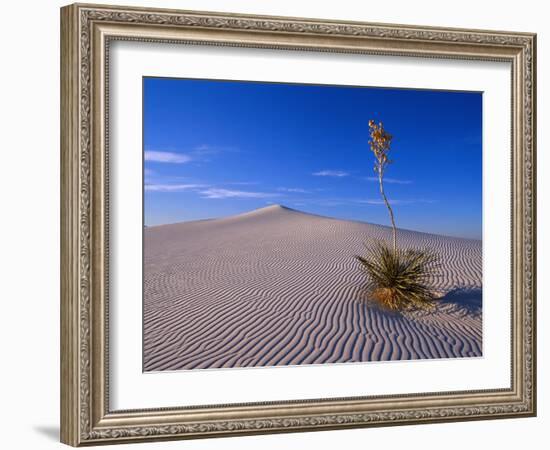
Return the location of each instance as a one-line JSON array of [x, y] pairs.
[[467, 298]]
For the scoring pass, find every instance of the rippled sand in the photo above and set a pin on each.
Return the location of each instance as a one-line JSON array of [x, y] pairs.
[[281, 287]]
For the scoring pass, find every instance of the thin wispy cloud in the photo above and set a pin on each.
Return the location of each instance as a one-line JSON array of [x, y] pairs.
[[294, 190], [242, 183], [321, 202], [204, 151], [330, 173], [205, 148], [172, 187], [390, 180], [217, 193], [331, 203], [166, 157], [374, 201]]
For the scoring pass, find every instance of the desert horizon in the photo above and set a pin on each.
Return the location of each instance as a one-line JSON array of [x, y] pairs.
[[283, 206]]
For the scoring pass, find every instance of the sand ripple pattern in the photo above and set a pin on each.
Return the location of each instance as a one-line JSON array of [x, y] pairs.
[[281, 287]]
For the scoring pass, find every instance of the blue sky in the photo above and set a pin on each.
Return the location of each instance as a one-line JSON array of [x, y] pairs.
[[218, 148]]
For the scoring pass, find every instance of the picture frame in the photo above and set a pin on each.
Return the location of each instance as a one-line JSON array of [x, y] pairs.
[[87, 32]]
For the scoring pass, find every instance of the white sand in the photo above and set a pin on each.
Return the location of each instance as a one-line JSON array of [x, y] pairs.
[[281, 287]]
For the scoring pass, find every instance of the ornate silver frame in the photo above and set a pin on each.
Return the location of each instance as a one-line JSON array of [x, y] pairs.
[[86, 31]]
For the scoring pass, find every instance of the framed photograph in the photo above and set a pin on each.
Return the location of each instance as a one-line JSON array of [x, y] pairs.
[[275, 224]]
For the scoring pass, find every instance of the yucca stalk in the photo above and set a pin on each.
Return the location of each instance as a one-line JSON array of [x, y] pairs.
[[380, 141], [398, 280]]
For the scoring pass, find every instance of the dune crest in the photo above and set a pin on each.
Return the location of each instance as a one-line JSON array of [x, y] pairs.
[[277, 286]]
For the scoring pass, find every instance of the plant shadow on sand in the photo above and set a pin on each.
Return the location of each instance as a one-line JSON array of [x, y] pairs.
[[469, 300]]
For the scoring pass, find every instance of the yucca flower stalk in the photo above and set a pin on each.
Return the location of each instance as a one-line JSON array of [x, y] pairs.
[[380, 141]]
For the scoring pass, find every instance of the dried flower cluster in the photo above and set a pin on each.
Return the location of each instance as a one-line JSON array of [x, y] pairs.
[[380, 141]]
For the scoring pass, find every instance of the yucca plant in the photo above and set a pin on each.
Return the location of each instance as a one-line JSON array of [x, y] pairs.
[[399, 280]]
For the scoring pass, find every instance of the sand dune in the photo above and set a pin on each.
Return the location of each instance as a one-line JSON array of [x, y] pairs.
[[280, 287]]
